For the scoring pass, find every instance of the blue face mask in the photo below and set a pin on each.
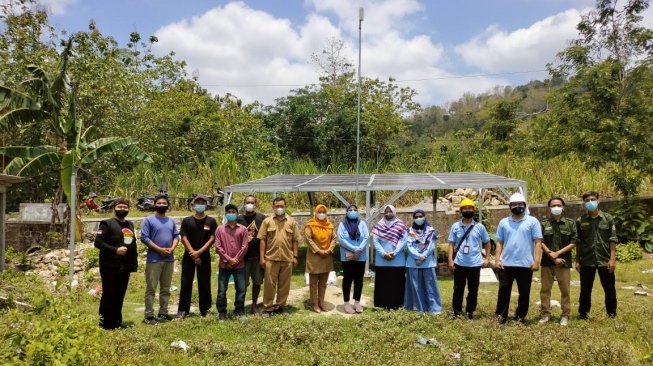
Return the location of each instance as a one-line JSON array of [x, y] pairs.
[[231, 217], [352, 215], [200, 208], [420, 221], [591, 205]]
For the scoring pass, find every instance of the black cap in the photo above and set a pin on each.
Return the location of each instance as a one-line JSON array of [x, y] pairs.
[[230, 206]]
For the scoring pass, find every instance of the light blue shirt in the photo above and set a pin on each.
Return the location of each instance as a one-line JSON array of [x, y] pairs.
[[347, 243], [414, 255], [517, 238], [161, 231], [381, 247], [475, 240]]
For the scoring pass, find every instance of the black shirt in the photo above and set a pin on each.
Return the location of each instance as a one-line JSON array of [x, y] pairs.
[[198, 232], [252, 223]]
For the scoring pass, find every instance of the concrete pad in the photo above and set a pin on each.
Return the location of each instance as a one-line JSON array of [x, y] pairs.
[[488, 276]]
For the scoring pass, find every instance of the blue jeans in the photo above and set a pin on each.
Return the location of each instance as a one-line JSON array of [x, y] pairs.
[[241, 287]]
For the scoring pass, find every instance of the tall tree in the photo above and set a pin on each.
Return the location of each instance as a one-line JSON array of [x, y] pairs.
[[604, 111]]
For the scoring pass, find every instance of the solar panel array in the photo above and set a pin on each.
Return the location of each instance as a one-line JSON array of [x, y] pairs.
[[374, 182]]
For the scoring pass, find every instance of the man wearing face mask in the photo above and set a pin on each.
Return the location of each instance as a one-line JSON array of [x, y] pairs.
[[118, 258], [278, 252], [160, 234], [560, 238], [596, 252], [252, 220], [197, 235], [231, 244], [466, 258], [518, 254]]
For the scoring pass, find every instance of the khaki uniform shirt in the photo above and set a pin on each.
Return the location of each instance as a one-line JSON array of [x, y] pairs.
[[594, 237], [279, 234], [557, 235], [316, 264]]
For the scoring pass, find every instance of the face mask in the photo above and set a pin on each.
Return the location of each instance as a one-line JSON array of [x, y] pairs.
[[556, 211], [352, 215], [321, 216], [279, 211], [231, 217], [161, 209], [200, 208], [420, 221], [467, 214], [518, 210], [249, 207], [121, 214], [591, 205]]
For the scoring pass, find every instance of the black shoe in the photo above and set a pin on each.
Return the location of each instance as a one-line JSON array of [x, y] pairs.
[[583, 316], [181, 314], [222, 317], [470, 316], [612, 315], [205, 313], [520, 320], [279, 310], [150, 321], [164, 317], [501, 319]]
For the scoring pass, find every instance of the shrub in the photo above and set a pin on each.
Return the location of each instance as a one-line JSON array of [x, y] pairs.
[[92, 258], [630, 251]]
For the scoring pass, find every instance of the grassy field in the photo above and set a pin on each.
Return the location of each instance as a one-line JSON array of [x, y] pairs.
[[68, 320]]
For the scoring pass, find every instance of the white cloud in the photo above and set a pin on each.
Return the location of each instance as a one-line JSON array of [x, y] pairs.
[[523, 49], [56, 7]]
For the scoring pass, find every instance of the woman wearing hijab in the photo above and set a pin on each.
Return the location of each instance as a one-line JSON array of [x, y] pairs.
[[320, 236], [390, 236], [422, 292], [353, 237]]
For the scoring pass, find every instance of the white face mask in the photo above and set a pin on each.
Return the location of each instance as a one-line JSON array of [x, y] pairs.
[[556, 211], [321, 216], [249, 207], [279, 211]]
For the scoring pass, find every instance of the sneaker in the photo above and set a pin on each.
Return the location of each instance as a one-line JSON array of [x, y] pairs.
[[150, 321], [164, 317], [181, 314], [564, 320], [265, 314], [544, 319], [204, 314], [501, 319], [520, 320], [358, 307], [222, 317], [583, 316], [349, 309], [612, 315], [470, 316]]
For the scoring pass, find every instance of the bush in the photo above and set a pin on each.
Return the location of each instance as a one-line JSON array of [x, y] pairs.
[[92, 258], [630, 251]]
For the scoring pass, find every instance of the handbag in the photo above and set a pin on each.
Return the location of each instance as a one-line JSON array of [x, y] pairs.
[[455, 251], [349, 255]]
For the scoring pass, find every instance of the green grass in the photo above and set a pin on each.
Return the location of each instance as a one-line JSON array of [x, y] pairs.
[[375, 337]]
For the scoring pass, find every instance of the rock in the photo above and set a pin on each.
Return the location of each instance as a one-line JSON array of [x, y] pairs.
[[52, 255], [456, 199], [77, 269], [495, 202]]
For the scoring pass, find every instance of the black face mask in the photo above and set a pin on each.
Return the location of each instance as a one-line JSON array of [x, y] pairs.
[[518, 210], [121, 214], [467, 214], [161, 209]]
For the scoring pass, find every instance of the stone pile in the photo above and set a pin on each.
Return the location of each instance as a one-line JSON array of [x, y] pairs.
[[47, 263], [490, 198]]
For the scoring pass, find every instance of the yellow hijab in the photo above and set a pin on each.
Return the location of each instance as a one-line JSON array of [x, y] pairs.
[[321, 229]]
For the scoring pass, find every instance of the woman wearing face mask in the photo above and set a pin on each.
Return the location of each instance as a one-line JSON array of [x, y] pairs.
[[422, 291], [353, 237], [118, 258], [390, 238], [320, 236]]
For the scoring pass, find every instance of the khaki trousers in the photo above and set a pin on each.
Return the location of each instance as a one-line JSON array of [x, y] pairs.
[[317, 287], [276, 282], [563, 276], [155, 273]]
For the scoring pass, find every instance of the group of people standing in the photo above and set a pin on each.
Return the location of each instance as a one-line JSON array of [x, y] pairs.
[[264, 250]]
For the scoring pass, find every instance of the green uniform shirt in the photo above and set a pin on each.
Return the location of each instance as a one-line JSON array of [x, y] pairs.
[[594, 237], [557, 235]]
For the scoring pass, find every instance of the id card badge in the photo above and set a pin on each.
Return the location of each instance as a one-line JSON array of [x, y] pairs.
[[466, 249]]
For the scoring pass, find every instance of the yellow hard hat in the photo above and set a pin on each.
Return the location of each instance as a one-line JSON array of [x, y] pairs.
[[467, 202]]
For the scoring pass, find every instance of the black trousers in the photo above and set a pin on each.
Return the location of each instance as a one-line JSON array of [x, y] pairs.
[[188, 268], [461, 276], [587, 275], [523, 276], [353, 271], [114, 287]]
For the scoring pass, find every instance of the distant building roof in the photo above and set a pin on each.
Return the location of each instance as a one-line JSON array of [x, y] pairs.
[[8, 180]]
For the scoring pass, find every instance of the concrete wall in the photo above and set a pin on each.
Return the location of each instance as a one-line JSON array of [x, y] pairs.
[[22, 235]]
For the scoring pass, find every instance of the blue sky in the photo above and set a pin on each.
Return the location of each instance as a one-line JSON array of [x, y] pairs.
[[260, 49]]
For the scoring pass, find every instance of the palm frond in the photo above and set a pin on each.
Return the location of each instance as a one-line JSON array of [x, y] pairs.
[[109, 145], [40, 163], [27, 152]]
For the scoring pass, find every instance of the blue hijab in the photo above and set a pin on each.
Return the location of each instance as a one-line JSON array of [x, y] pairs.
[[352, 225]]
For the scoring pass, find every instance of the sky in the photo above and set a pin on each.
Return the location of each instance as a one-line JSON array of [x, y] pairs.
[[260, 50]]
